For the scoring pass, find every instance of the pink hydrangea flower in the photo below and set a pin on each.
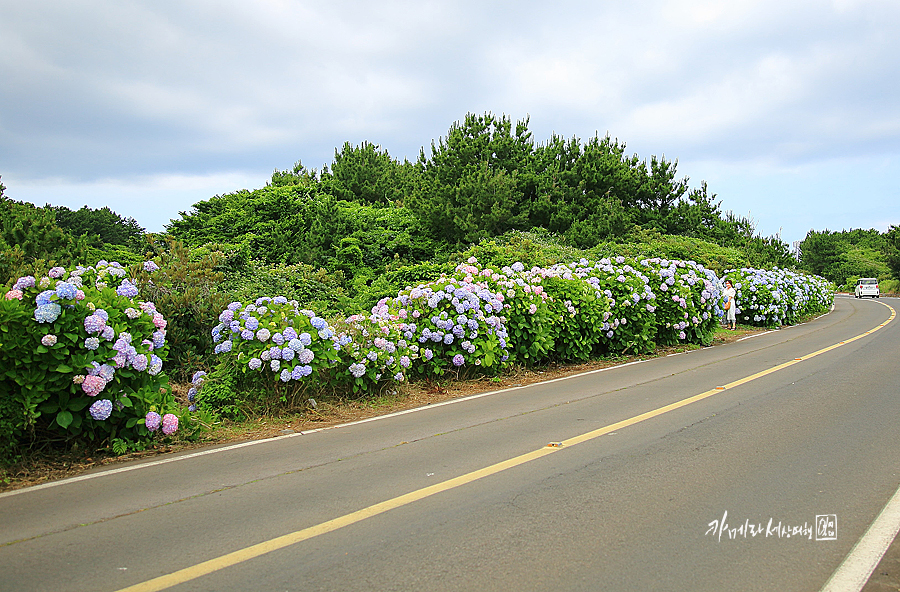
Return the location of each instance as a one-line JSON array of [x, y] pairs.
[[93, 385], [14, 295], [169, 424]]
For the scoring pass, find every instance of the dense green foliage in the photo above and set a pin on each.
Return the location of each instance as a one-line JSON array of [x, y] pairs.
[[33, 237], [845, 256]]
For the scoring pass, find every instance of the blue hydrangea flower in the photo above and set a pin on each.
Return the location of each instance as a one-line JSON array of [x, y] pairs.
[[44, 297], [252, 323], [254, 364], [159, 339], [127, 289], [357, 369], [305, 339], [318, 323], [101, 409], [66, 291], [47, 313]]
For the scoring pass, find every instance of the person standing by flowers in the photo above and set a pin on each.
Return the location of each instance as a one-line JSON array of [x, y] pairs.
[[731, 305]]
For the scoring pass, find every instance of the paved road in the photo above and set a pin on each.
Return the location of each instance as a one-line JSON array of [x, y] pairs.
[[625, 507]]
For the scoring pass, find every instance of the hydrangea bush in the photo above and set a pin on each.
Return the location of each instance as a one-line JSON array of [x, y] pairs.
[[275, 338], [688, 298], [480, 319], [456, 322], [81, 357], [770, 298]]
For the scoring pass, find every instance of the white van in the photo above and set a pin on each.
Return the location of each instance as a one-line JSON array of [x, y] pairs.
[[867, 287]]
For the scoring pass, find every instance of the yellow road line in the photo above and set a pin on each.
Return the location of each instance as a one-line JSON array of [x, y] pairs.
[[195, 571]]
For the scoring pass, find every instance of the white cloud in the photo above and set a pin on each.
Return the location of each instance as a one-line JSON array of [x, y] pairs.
[[102, 90]]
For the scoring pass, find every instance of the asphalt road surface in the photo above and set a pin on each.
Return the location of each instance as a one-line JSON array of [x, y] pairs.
[[700, 471]]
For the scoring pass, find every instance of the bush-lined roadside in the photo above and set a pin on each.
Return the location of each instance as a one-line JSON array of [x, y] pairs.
[[43, 466]]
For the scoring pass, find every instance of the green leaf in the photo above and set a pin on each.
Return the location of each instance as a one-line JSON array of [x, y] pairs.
[[64, 419], [64, 369]]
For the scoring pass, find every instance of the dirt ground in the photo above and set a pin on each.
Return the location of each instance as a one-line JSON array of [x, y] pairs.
[[39, 468]]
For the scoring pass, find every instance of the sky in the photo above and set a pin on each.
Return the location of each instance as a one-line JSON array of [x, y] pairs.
[[787, 109]]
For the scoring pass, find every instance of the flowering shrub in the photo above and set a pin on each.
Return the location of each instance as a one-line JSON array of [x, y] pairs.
[[530, 320], [687, 301], [373, 351], [770, 298], [272, 337], [457, 323], [81, 356], [631, 323], [480, 319]]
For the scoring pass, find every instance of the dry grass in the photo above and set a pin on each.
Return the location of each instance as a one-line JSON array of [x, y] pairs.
[[39, 467]]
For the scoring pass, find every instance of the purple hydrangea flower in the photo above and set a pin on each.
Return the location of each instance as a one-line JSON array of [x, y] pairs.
[[49, 340], [152, 421], [197, 378], [305, 356], [263, 335], [254, 364], [150, 266], [357, 369], [24, 282], [458, 360], [140, 362], [252, 323], [101, 409], [94, 323], [56, 272], [159, 339], [155, 365], [127, 289]]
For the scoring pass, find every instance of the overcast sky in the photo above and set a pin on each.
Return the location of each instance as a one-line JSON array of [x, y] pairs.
[[788, 109]]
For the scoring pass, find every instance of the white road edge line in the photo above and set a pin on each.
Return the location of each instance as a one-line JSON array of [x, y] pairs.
[[858, 566]]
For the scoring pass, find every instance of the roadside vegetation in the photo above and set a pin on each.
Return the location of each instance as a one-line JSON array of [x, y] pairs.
[[376, 283]]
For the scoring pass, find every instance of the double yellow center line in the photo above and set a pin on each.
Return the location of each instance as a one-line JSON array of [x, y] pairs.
[[195, 571]]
